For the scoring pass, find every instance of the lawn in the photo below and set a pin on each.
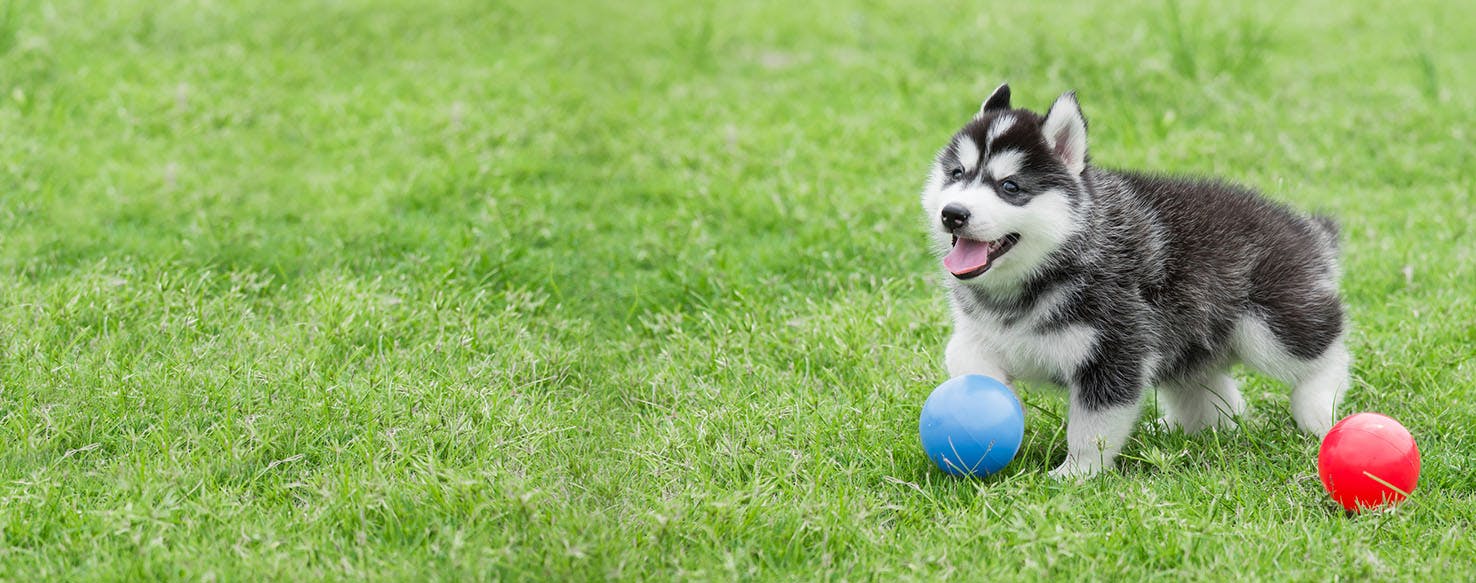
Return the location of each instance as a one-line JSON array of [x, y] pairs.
[[349, 289]]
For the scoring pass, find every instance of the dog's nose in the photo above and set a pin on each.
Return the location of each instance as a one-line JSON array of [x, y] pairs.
[[954, 216]]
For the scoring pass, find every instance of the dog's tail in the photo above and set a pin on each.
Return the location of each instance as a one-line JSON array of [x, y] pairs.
[[1329, 228]]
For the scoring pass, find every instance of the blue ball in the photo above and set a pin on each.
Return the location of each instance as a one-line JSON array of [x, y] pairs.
[[972, 425]]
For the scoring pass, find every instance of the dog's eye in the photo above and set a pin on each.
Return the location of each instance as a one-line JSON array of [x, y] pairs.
[[956, 174], [1009, 186]]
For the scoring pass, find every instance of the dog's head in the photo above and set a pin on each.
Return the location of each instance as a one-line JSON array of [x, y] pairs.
[[1007, 191]]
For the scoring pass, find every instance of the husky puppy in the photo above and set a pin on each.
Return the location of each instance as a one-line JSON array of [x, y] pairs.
[[1109, 283]]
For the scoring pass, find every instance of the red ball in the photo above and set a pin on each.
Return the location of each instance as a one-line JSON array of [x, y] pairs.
[[1363, 456]]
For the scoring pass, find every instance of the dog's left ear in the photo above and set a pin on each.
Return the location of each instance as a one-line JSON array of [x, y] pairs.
[[1000, 99], [1066, 133]]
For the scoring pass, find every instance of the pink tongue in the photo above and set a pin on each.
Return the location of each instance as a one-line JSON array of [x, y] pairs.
[[967, 255]]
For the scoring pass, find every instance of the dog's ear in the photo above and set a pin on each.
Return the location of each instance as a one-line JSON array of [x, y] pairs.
[[1066, 133], [1000, 99]]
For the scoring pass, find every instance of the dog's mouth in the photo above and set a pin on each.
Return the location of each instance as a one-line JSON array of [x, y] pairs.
[[970, 258]]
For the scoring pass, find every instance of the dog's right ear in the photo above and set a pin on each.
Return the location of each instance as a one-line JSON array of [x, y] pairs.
[[1000, 99], [1066, 133]]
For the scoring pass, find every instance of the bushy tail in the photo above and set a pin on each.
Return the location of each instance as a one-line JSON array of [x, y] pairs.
[[1329, 228]]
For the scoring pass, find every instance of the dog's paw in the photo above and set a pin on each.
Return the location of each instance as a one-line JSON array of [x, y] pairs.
[[1074, 470], [1165, 424]]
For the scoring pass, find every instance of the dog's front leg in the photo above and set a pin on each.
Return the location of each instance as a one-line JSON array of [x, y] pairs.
[[1104, 408], [966, 355]]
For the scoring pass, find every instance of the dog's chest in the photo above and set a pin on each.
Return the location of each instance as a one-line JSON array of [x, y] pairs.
[[1026, 351]]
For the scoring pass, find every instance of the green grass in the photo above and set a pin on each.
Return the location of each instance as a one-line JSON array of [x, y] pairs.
[[520, 290]]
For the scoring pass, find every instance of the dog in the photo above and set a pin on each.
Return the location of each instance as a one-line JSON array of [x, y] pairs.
[[1110, 283]]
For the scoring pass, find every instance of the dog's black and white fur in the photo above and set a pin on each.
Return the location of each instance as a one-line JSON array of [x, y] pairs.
[[1109, 283]]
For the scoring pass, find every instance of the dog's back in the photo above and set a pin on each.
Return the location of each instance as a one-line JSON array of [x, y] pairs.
[[1206, 258]]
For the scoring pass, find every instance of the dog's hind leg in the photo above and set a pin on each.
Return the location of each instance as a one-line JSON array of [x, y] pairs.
[[1307, 353], [1209, 400], [1319, 390]]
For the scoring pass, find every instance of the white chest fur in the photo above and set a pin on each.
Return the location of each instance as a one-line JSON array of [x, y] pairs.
[[985, 343]]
